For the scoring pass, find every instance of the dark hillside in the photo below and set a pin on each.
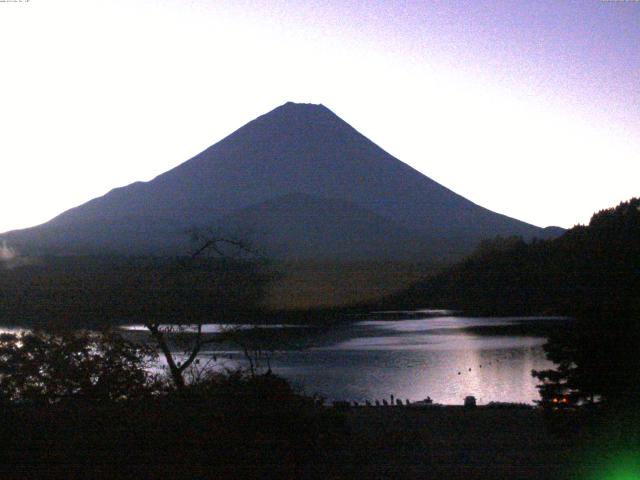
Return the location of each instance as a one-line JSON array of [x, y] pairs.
[[96, 291], [593, 267]]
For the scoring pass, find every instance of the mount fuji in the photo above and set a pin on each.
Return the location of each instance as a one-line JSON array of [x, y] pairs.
[[298, 183]]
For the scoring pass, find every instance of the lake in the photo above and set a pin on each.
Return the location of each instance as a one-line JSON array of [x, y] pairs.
[[412, 355]]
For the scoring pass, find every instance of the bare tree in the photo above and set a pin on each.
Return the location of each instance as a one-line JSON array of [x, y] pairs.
[[182, 342], [257, 346]]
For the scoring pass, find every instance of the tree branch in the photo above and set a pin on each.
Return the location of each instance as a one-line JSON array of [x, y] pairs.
[[214, 244], [194, 351]]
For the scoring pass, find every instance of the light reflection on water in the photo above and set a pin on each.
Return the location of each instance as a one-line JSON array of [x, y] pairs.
[[210, 327], [413, 359], [446, 375]]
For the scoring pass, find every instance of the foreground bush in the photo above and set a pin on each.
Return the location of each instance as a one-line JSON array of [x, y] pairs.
[[49, 367], [85, 404], [232, 427]]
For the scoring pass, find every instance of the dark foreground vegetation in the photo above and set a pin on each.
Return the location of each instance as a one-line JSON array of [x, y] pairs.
[[258, 429], [81, 404], [241, 428]]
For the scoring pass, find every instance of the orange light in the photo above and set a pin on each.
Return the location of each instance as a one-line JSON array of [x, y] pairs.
[[554, 400]]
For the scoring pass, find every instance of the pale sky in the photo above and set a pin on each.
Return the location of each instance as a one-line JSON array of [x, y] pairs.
[[531, 109]]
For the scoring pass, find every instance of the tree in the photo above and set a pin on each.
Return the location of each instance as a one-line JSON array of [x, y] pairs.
[[258, 345], [182, 341], [596, 361], [41, 366], [597, 358]]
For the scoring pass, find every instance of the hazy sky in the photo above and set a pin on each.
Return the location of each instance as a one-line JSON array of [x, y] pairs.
[[529, 108]]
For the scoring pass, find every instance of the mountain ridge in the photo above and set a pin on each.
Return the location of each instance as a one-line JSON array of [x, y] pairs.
[[295, 148]]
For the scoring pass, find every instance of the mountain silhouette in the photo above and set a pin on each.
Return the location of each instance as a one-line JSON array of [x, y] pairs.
[[301, 183]]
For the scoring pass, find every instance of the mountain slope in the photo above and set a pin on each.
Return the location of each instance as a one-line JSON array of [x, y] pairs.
[[300, 226], [294, 149]]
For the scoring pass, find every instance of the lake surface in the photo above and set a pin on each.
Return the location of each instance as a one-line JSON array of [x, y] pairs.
[[431, 354]]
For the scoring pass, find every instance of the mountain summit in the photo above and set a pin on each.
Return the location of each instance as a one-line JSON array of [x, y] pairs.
[[300, 183]]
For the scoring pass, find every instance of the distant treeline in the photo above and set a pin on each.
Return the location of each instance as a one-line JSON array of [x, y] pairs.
[[94, 290], [589, 269]]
